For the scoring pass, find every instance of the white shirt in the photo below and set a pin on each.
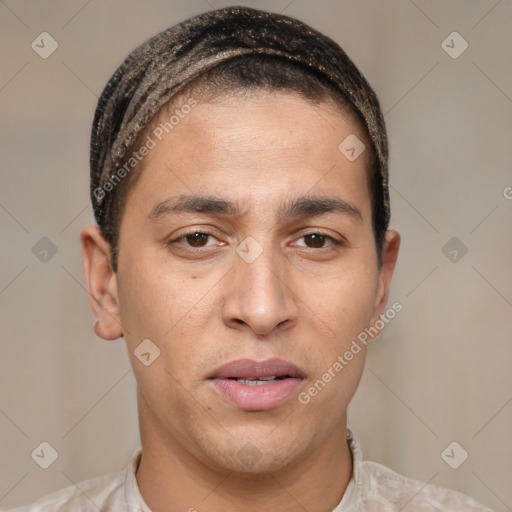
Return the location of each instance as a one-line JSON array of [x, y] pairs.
[[372, 488]]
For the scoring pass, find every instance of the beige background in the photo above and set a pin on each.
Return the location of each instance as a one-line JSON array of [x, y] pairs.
[[441, 370]]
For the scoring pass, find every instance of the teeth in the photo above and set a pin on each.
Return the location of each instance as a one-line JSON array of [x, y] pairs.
[[258, 382]]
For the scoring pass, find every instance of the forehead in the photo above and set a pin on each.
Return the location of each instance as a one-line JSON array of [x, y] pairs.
[[257, 141]]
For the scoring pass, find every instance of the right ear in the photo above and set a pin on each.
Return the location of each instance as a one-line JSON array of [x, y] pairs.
[[101, 283]]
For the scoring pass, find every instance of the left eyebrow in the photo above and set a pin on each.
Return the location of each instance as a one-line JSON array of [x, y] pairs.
[[303, 206], [310, 206]]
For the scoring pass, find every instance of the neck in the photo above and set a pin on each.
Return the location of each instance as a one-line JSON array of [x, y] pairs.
[[171, 479]]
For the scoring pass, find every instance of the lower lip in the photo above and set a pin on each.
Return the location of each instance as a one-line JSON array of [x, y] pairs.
[[256, 398]]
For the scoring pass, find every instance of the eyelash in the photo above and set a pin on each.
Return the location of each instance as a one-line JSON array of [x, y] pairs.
[[334, 241], [194, 232]]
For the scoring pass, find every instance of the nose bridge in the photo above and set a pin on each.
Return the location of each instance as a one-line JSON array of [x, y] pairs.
[[263, 276], [260, 297]]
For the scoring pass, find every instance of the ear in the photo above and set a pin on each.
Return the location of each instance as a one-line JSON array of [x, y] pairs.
[[388, 262], [101, 283]]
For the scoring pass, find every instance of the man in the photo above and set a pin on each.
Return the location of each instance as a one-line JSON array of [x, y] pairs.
[[239, 181]]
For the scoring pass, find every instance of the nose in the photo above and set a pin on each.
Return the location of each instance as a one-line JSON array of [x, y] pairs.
[[260, 297]]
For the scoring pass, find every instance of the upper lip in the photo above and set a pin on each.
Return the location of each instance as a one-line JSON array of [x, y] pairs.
[[252, 369]]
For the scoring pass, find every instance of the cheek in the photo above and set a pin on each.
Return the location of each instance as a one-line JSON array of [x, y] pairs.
[[153, 304], [344, 301], [342, 310], [177, 314], [356, 299]]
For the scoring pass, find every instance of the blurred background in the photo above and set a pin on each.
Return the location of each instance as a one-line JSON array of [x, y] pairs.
[[438, 374]]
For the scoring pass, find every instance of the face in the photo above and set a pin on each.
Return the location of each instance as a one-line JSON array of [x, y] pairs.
[[247, 257]]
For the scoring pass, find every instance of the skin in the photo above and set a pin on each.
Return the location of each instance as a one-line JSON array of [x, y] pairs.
[[304, 299]]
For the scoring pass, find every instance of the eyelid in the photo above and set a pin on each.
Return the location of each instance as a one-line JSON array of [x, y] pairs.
[[182, 236], [334, 241]]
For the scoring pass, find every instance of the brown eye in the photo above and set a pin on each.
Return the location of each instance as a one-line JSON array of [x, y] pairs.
[[314, 240], [317, 241], [196, 239], [193, 241]]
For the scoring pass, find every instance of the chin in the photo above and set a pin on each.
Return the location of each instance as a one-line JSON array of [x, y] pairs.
[[252, 456]]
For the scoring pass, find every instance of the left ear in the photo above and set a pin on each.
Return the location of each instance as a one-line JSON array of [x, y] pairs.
[[388, 262]]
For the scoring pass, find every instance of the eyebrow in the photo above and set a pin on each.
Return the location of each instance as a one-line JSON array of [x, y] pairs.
[[303, 206]]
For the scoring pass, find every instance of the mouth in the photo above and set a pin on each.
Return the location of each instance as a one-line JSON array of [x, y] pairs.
[[262, 380], [256, 385]]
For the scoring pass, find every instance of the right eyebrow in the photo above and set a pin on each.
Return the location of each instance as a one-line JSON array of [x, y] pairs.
[[194, 204]]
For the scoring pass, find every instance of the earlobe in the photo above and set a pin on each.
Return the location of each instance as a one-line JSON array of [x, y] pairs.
[[101, 283]]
